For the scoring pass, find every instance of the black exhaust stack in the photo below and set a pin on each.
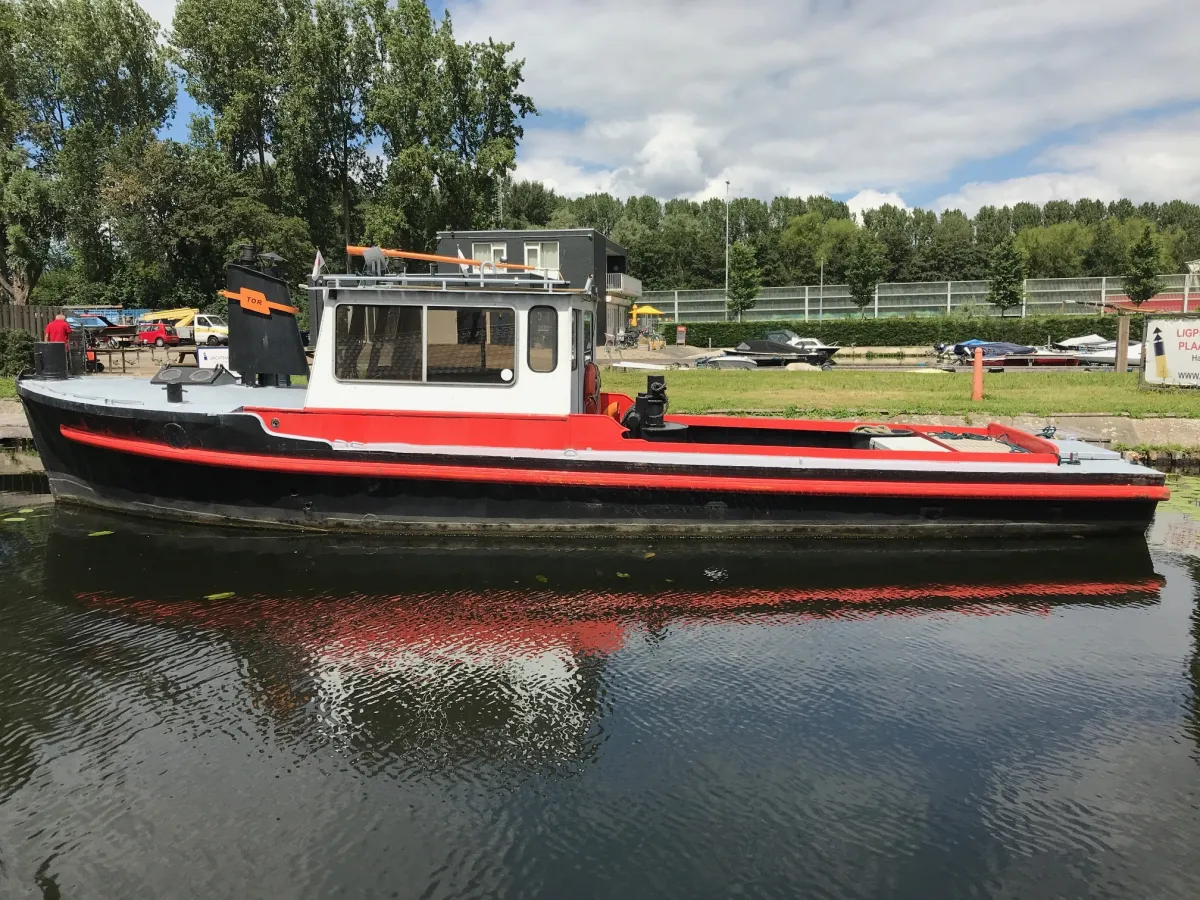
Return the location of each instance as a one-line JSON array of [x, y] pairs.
[[264, 336]]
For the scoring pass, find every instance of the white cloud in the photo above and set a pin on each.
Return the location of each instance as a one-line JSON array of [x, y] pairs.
[[874, 98], [1155, 161], [680, 94], [873, 199], [1035, 188]]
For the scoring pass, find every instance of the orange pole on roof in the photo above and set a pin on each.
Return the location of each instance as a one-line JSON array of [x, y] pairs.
[[977, 376], [433, 257]]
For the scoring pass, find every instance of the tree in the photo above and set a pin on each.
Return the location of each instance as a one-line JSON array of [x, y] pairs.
[[745, 280], [1108, 253], [1055, 251], [1056, 212], [29, 216], [1026, 215], [91, 74], [450, 116], [528, 204], [322, 130], [950, 252], [1141, 279], [232, 53], [1006, 276], [893, 227], [600, 211], [865, 267], [646, 210], [992, 227]]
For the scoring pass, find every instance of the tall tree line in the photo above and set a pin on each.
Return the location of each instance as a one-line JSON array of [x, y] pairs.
[[680, 244], [321, 123]]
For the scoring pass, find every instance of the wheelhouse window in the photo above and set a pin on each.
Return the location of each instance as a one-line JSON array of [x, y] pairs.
[[589, 335], [378, 343], [574, 340], [492, 253], [542, 255], [543, 339], [471, 345]]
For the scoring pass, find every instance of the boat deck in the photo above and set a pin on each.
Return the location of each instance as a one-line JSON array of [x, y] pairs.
[[137, 392]]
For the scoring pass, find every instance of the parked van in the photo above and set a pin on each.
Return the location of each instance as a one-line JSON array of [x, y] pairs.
[[192, 325]]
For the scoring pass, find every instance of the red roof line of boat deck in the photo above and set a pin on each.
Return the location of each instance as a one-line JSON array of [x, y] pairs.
[[596, 432]]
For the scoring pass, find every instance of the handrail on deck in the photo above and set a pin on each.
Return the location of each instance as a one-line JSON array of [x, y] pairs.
[[353, 250]]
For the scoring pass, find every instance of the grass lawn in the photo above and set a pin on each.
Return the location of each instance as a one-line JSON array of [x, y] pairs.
[[846, 394], [870, 394]]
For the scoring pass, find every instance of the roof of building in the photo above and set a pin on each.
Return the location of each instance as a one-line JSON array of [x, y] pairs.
[[483, 234]]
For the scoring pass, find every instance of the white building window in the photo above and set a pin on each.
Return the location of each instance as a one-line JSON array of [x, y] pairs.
[[542, 255], [490, 253]]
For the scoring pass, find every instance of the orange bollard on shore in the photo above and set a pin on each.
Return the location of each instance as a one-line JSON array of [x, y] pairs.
[[977, 376]]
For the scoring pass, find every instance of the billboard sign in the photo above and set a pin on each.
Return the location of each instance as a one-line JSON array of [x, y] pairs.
[[1171, 352]]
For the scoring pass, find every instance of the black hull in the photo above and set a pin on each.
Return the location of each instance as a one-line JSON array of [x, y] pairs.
[[173, 489]]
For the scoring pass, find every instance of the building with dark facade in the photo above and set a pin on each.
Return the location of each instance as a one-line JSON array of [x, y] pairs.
[[575, 253]]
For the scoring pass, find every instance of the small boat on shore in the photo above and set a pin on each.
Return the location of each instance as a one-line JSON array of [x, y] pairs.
[[779, 348], [1008, 355], [472, 403]]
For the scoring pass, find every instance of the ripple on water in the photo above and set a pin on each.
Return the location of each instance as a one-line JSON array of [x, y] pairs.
[[373, 718]]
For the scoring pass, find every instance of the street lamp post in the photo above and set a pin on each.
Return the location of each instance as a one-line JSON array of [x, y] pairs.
[[727, 249]]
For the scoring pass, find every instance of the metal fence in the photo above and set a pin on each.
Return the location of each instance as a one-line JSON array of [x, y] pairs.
[[814, 302]]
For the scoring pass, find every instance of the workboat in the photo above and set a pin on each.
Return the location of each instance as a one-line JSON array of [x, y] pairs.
[[472, 402]]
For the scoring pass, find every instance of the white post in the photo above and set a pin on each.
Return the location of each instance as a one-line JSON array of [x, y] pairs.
[[677, 307], [1024, 295], [821, 297], [1186, 284], [727, 253], [948, 300], [806, 303], [877, 299], [1104, 293]]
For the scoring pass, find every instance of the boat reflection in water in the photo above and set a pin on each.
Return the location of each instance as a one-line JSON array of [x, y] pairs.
[[456, 652]]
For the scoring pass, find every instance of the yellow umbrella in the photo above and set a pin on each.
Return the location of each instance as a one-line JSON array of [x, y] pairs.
[[644, 311]]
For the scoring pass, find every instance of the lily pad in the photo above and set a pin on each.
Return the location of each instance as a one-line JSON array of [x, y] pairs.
[[224, 595], [14, 519], [651, 555], [23, 511], [622, 574], [542, 578], [99, 533]]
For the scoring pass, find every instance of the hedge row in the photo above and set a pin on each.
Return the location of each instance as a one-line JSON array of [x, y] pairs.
[[914, 332], [16, 352]]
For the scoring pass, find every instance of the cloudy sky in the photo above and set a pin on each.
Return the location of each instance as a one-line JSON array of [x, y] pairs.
[[942, 103]]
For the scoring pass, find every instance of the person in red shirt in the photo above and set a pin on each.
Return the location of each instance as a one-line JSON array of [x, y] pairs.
[[58, 329]]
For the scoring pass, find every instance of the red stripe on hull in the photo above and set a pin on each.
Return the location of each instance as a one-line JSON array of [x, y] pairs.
[[714, 483]]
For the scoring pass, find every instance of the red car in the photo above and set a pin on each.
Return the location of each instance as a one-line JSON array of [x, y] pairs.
[[156, 333]]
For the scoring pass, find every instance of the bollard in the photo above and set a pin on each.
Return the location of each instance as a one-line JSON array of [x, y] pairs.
[[977, 376], [1122, 360]]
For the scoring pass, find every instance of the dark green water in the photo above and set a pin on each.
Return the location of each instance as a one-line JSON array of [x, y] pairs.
[[196, 714]]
